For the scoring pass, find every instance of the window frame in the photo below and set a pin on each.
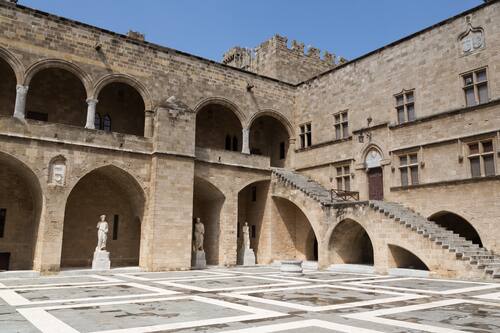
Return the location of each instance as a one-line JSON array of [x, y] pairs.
[[481, 154], [345, 173], [404, 106], [408, 166], [305, 135], [475, 86], [341, 124]]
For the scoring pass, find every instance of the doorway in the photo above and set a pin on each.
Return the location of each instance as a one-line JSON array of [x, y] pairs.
[[375, 184]]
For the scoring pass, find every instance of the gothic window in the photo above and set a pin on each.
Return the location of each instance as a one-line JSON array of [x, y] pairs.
[[405, 106], [475, 86], [97, 121], [408, 168], [341, 125], [106, 123]]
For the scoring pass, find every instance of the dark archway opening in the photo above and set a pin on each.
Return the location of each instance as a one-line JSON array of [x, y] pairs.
[[269, 137], [58, 96], [350, 244], [207, 205], [120, 109], [7, 89], [218, 127], [403, 258], [115, 193], [458, 225]]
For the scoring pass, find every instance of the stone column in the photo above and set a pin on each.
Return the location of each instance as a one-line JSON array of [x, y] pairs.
[[20, 106], [148, 123], [91, 105], [228, 230], [246, 141]]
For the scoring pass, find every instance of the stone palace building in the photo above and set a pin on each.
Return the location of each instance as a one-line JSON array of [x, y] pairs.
[[390, 160]]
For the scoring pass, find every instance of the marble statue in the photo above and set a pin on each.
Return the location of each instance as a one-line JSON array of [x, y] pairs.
[[246, 236], [246, 256], [199, 235], [102, 233]]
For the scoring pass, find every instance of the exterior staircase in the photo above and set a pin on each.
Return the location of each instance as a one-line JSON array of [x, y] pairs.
[[478, 257]]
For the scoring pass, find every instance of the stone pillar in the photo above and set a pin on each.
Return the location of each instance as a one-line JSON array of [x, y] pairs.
[[246, 141], [91, 105], [228, 242], [20, 106], [290, 155], [148, 123]]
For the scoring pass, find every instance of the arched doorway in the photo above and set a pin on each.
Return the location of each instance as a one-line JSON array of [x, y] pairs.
[[7, 89], [20, 209], [402, 258], [57, 95], [218, 127], [269, 137], [350, 244], [292, 231], [458, 225], [207, 204], [120, 109], [374, 173], [111, 191]]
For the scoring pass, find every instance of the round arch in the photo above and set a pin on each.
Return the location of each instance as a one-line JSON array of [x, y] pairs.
[[38, 66], [111, 191], [223, 102], [350, 243], [16, 65], [128, 80], [276, 115], [22, 201], [457, 224]]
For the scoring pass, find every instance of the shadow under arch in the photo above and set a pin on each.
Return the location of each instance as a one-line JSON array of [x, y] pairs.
[[208, 201], [458, 225], [111, 191], [350, 243], [276, 115], [125, 79], [14, 63], [23, 200], [402, 258], [217, 100]]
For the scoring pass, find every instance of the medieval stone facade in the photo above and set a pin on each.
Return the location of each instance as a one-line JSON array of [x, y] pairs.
[[93, 122]]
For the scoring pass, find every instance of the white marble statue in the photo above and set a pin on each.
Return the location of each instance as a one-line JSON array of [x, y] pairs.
[[199, 235], [102, 233], [246, 236]]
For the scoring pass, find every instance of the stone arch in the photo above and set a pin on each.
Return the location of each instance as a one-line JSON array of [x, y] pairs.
[[41, 65], [350, 243], [10, 72], [207, 205], [457, 224], [16, 65], [399, 257], [367, 151], [128, 80], [108, 190], [276, 115], [218, 100], [22, 199]]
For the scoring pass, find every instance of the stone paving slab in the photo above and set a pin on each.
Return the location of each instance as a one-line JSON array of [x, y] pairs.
[[237, 300]]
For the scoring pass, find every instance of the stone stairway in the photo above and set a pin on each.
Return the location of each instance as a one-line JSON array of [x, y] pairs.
[[478, 257], [475, 255]]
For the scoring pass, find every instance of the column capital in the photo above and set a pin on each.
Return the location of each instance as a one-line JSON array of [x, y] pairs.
[[92, 101], [22, 89]]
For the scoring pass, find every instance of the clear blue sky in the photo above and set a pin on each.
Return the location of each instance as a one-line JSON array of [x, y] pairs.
[[208, 28]]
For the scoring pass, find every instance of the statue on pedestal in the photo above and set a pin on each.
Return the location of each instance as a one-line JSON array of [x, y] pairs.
[[246, 236], [102, 233], [246, 256], [198, 260]]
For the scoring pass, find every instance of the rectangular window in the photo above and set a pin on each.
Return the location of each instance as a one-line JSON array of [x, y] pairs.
[[282, 151], [341, 125], [408, 169], [116, 221], [254, 231], [238, 230], [305, 135], [3, 214], [254, 193], [405, 107], [482, 158], [475, 85], [343, 178], [40, 116]]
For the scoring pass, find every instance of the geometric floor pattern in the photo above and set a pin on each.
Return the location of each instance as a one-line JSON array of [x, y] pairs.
[[255, 299]]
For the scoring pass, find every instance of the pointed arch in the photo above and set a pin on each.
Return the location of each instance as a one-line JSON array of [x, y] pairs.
[[457, 224], [14, 63], [402, 258], [276, 115], [217, 100], [350, 243], [128, 80]]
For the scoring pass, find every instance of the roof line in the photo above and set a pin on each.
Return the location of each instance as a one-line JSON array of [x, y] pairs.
[[399, 41]]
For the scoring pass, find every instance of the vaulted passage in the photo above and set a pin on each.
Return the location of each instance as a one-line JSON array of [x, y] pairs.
[[7, 89], [458, 225], [269, 137], [115, 193], [120, 109], [218, 127], [350, 244], [20, 208], [58, 96], [207, 205], [402, 258]]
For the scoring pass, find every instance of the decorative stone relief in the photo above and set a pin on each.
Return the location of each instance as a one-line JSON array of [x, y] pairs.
[[373, 159], [57, 175], [471, 40]]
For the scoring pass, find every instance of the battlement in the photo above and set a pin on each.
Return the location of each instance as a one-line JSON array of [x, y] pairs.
[[275, 58]]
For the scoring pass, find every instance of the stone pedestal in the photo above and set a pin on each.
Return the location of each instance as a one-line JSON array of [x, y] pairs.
[[246, 257], [198, 260], [291, 266], [101, 260]]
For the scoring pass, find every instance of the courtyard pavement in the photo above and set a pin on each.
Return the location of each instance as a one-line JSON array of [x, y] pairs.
[[254, 299]]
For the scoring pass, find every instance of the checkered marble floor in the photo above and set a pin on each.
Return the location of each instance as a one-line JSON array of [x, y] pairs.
[[255, 299]]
